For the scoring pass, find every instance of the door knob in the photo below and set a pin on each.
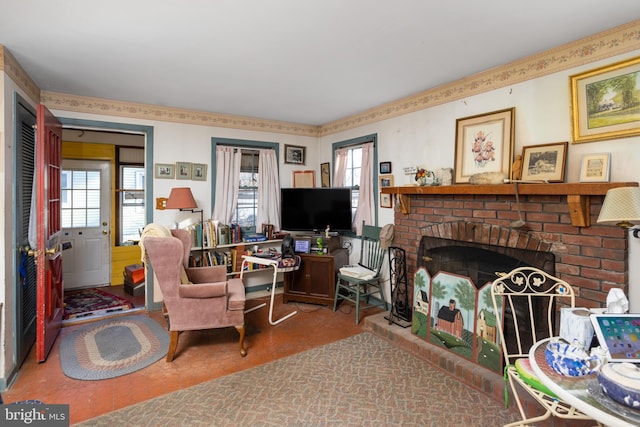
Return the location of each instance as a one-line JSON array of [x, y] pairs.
[[105, 232]]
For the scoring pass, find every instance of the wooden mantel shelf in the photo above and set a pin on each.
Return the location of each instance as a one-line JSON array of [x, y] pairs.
[[577, 194]]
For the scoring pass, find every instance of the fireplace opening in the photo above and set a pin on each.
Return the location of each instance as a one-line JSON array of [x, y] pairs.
[[479, 263]]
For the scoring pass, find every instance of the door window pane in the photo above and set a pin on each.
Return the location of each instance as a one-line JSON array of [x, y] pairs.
[[80, 195]]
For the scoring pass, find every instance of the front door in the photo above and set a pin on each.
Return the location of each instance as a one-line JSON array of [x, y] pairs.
[[85, 223], [50, 292]]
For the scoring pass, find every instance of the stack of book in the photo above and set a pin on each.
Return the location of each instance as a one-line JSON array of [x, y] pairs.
[[134, 279]]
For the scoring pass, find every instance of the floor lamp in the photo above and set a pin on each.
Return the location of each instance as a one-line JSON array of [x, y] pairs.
[[182, 198]]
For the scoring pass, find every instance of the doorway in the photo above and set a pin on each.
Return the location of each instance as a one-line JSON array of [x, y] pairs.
[[86, 210], [103, 211]]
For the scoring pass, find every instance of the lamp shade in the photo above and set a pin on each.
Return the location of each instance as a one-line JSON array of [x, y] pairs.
[[621, 207], [181, 198]]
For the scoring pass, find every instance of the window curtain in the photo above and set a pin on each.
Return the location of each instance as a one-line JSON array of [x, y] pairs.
[[340, 166], [227, 183], [268, 190], [364, 211]]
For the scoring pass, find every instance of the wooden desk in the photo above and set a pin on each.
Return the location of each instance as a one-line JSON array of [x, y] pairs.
[[582, 393]]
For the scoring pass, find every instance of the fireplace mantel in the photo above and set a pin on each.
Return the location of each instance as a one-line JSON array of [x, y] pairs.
[[577, 194]]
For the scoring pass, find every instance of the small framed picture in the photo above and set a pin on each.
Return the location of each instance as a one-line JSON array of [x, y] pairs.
[[294, 155], [199, 172], [385, 200], [385, 167], [386, 180], [325, 174], [545, 162], [164, 171], [183, 170], [304, 179], [595, 167]]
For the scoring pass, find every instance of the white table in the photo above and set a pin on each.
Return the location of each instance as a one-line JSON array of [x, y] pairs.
[[275, 263], [574, 390]]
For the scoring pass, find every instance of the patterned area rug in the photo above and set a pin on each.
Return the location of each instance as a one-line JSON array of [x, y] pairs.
[[90, 302], [112, 347], [358, 381]]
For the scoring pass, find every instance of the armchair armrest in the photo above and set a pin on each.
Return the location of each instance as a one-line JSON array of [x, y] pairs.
[[217, 273], [203, 290]]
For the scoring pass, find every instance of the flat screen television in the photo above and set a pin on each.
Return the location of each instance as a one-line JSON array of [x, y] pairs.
[[312, 209]]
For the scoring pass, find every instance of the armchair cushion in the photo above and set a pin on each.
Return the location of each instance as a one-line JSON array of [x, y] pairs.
[[211, 274], [203, 290]]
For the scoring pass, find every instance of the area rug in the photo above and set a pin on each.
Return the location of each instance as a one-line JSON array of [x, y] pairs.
[[112, 347], [358, 381], [91, 302]]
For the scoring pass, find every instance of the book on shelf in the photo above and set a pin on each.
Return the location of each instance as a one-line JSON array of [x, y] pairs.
[[224, 234], [254, 237], [268, 231]]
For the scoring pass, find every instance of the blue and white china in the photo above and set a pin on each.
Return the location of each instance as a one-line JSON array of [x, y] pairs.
[[570, 360], [621, 382]]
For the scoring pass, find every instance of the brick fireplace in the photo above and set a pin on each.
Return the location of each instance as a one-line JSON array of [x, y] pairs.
[[560, 219], [593, 258]]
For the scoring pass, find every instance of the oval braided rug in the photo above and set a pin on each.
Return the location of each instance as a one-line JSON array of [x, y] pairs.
[[112, 347]]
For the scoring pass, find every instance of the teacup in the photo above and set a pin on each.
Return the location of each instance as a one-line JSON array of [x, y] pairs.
[[571, 360]]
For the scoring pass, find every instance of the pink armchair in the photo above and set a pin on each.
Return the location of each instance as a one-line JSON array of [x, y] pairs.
[[209, 301]]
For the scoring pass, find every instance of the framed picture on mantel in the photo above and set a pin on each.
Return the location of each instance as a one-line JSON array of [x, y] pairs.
[[484, 144]]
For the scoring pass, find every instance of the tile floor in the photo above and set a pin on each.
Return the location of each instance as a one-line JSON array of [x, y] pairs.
[[201, 356]]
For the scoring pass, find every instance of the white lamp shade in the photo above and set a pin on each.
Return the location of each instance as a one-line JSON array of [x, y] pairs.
[[621, 207]]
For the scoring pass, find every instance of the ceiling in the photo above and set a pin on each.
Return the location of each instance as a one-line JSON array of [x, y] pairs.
[[301, 61]]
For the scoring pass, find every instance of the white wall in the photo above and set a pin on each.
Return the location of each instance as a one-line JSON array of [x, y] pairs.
[[542, 116]]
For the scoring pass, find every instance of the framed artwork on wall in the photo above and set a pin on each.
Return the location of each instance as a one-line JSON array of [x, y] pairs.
[[385, 167], [199, 172], [545, 162], [385, 180], [604, 102], [304, 179], [183, 170], [484, 143], [164, 171], [325, 174], [294, 155], [386, 201], [595, 167]]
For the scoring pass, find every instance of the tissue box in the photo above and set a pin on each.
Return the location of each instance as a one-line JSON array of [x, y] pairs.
[[576, 327]]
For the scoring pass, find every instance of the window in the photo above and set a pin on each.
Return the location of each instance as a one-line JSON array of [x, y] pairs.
[[247, 206], [132, 213], [355, 163], [248, 194], [80, 194], [352, 175]]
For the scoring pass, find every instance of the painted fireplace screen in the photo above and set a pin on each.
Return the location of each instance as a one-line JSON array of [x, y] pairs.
[[452, 301]]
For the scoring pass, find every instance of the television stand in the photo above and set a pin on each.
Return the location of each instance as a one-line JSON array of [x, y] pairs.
[[315, 281]]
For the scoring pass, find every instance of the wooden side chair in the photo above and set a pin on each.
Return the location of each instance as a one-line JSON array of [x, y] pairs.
[[362, 281], [531, 299]]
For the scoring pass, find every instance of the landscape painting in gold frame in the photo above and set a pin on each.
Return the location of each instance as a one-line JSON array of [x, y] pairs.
[[605, 102], [484, 143]]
